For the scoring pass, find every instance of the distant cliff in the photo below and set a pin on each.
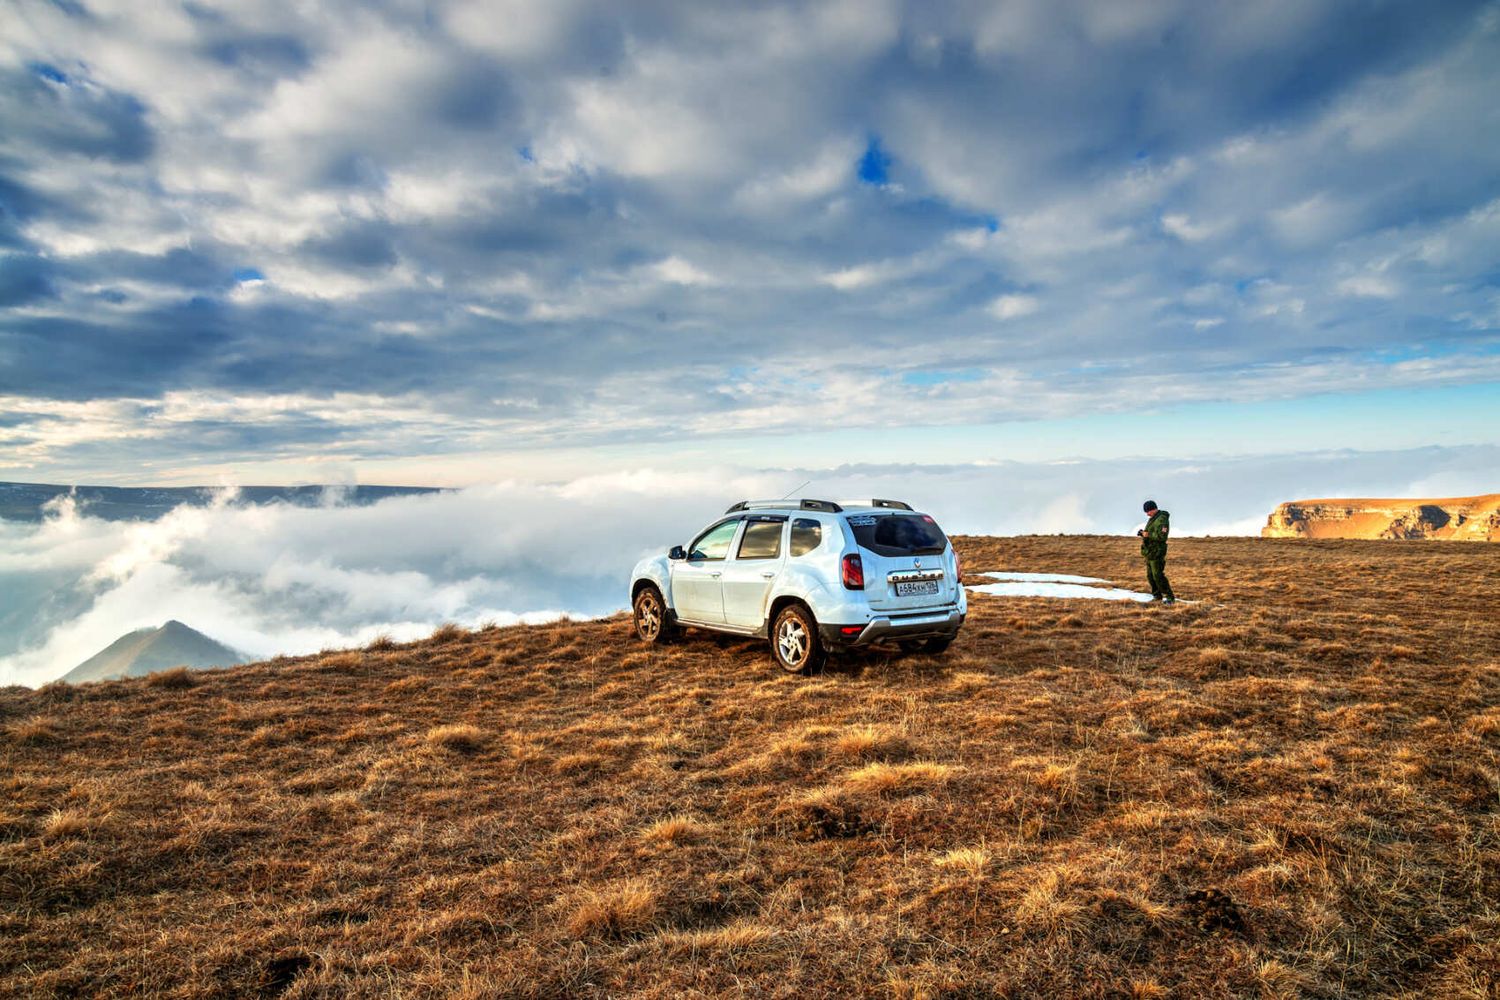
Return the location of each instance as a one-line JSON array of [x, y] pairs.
[[1475, 519]]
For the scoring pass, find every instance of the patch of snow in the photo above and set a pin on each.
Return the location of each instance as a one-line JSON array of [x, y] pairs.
[[1025, 588], [1042, 578]]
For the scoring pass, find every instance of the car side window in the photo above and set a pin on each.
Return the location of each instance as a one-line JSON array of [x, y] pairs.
[[762, 540], [807, 535], [714, 543]]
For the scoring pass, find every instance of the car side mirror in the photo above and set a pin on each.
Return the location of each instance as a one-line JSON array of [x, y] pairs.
[[677, 552]]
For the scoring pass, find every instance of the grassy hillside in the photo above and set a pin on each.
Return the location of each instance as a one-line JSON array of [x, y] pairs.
[[1287, 789]]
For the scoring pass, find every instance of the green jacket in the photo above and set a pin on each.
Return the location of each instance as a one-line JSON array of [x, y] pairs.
[[1154, 541]]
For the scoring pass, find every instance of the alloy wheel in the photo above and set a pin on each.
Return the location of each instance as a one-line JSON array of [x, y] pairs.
[[648, 616], [791, 642]]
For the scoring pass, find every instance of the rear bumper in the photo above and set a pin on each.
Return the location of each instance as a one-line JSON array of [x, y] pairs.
[[894, 628]]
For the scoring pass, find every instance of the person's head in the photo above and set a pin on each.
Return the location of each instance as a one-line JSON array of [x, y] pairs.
[[1149, 506]]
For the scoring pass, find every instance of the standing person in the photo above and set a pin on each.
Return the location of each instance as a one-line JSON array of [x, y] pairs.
[[1154, 549]]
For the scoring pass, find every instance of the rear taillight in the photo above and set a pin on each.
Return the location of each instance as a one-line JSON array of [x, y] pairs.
[[853, 572], [958, 568]]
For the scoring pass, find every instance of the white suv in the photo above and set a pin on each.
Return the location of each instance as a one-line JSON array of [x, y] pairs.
[[811, 575]]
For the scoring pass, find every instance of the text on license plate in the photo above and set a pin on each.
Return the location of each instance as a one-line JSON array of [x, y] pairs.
[[916, 588]]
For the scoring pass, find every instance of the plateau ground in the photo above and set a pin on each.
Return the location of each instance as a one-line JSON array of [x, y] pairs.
[[1288, 788]]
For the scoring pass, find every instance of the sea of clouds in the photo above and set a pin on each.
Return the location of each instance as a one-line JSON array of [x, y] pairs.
[[293, 579]]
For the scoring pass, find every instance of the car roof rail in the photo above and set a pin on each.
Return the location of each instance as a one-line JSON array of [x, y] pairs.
[[826, 506], [892, 504]]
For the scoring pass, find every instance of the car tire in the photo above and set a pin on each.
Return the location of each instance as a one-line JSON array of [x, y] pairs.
[[936, 647], [795, 644], [653, 623]]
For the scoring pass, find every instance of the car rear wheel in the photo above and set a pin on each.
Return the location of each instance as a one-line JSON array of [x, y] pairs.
[[652, 624], [794, 641]]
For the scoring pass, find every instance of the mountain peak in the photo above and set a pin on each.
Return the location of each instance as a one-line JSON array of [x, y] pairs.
[[148, 650]]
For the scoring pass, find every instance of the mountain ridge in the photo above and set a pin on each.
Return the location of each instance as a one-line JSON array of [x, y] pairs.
[[150, 650], [27, 501]]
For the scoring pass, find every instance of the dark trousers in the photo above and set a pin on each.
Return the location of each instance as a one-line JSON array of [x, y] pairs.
[[1156, 575]]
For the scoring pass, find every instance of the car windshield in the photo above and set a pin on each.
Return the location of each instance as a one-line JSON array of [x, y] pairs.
[[898, 534]]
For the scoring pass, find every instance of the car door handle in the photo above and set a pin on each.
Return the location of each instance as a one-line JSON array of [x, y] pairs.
[[767, 576], [716, 575]]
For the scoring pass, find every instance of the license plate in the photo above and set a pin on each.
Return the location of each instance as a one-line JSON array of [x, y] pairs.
[[917, 588]]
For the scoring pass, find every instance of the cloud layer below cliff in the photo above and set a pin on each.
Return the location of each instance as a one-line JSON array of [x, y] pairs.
[[284, 579]]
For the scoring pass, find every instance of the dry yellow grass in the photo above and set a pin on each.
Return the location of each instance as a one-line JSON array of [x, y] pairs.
[[616, 910], [36, 731], [176, 679], [971, 861], [457, 737], [1289, 789], [880, 778], [675, 830]]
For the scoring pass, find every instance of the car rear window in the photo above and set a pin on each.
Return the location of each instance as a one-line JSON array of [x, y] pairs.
[[898, 534]]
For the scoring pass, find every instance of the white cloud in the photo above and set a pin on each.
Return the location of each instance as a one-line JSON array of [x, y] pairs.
[[1369, 286], [549, 204], [677, 271], [851, 278], [1189, 231], [1013, 306]]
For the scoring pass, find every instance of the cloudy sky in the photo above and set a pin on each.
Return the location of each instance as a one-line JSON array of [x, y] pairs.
[[418, 242]]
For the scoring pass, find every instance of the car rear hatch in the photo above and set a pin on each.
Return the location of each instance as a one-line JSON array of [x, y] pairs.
[[906, 567]]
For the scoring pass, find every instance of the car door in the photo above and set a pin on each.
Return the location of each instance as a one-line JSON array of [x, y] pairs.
[[697, 594], [747, 578]]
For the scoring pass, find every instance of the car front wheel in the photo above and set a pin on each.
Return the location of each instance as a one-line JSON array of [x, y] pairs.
[[794, 641], [652, 624]]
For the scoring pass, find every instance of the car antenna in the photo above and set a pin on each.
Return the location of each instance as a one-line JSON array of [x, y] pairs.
[[794, 489]]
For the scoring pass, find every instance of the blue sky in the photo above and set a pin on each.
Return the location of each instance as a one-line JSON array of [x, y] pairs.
[[440, 242]]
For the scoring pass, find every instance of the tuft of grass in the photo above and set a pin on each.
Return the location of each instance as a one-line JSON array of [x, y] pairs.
[[872, 742], [678, 829], [577, 763], [1214, 657], [63, 824], [457, 738], [882, 778], [36, 731], [447, 632], [1047, 910], [971, 861], [175, 679], [616, 910], [738, 936]]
